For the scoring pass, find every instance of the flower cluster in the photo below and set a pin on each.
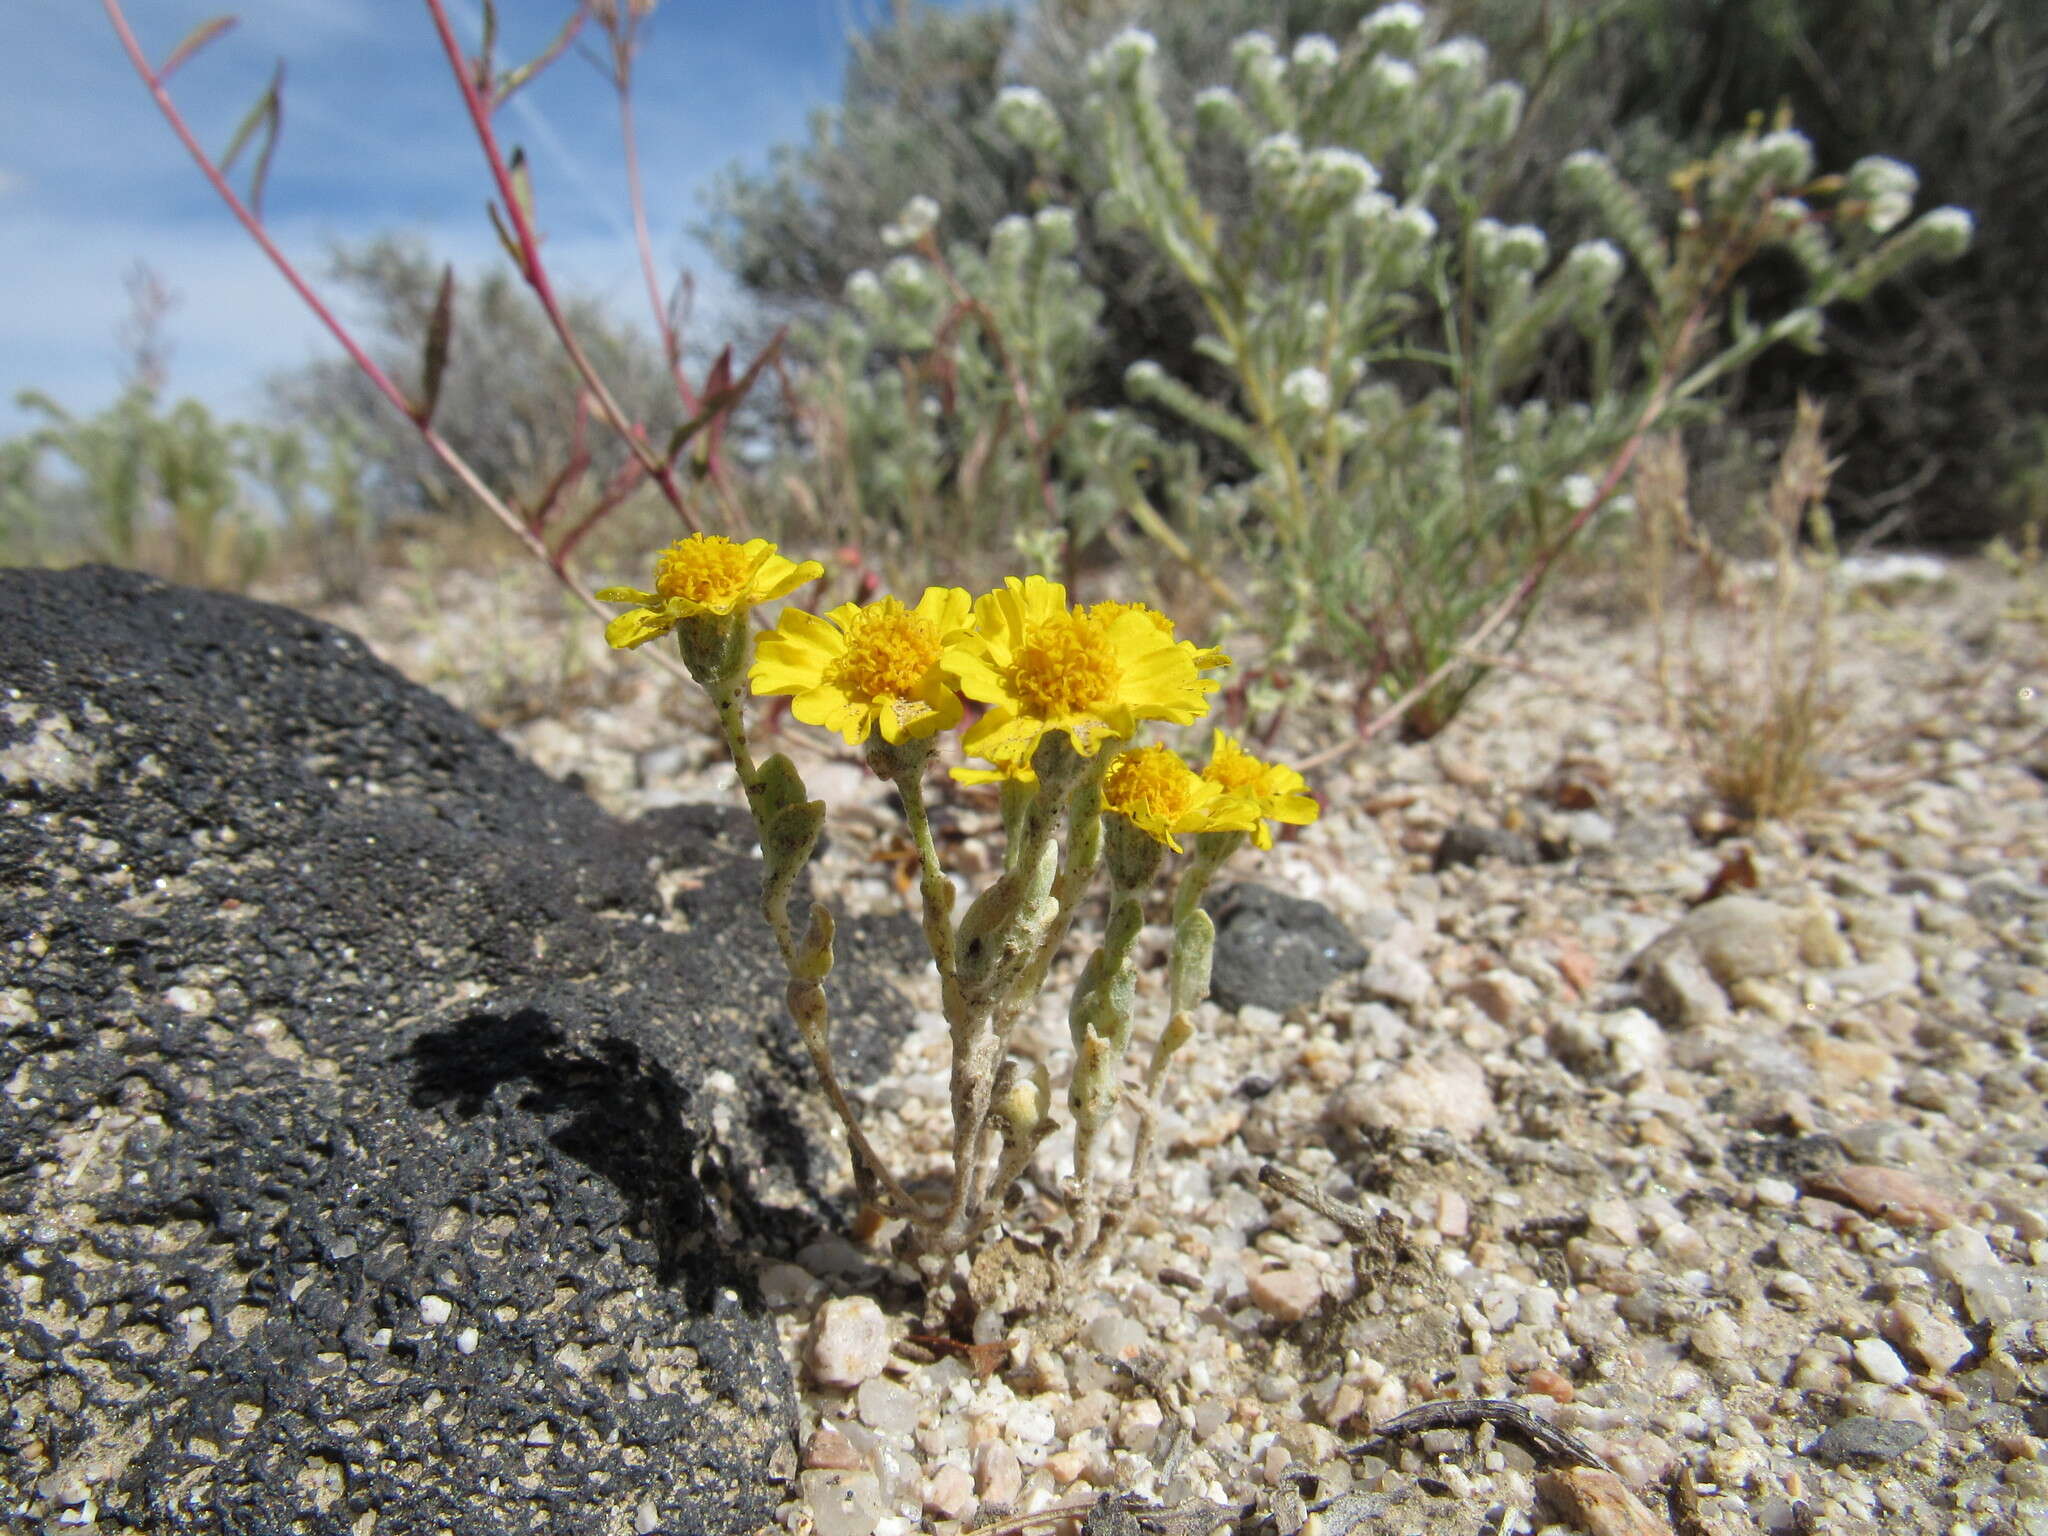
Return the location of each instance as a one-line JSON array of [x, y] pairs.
[[1039, 666], [1050, 696]]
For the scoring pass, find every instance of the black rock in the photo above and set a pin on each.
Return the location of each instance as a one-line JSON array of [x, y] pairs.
[[1466, 842], [1867, 1439], [367, 1145], [1274, 950]]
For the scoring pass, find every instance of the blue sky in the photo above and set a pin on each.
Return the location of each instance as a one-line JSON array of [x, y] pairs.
[[91, 179]]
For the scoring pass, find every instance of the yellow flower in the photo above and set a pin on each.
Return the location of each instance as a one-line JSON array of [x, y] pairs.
[[1272, 791], [1042, 666], [1162, 796], [866, 665], [705, 574], [1205, 657]]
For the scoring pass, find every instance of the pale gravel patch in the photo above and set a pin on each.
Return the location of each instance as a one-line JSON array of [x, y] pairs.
[[1714, 1313]]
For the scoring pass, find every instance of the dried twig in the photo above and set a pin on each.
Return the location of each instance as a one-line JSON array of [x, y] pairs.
[[1502, 1413], [1354, 1220]]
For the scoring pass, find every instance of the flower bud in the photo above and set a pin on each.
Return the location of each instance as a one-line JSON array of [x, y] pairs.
[[1342, 174], [1024, 113], [1594, 266], [1396, 28], [920, 216], [1010, 241], [1500, 111], [1057, 231], [1947, 233], [1277, 157], [1458, 61], [1123, 55], [1786, 155], [1392, 81], [1307, 389]]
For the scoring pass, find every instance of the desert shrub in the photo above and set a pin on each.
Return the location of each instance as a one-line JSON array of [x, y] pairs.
[[1413, 453], [944, 406], [1934, 377], [138, 483]]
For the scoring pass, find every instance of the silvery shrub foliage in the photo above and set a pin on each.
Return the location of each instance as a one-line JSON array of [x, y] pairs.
[[1421, 399]]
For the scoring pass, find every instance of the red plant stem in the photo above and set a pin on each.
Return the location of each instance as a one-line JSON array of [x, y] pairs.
[[636, 197], [453, 461], [534, 270]]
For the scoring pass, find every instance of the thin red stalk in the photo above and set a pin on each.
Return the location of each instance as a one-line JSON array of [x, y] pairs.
[[534, 270], [671, 345], [453, 461]]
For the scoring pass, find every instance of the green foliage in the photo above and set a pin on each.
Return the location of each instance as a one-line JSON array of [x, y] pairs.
[[137, 485], [1413, 458], [945, 401], [1932, 377]]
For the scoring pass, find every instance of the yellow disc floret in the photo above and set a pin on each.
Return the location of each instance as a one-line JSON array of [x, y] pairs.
[[889, 649], [705, 575], [707, 569], [1042, 667], [1269, 791], [1066, 667], [1162, 796], [864, 667]]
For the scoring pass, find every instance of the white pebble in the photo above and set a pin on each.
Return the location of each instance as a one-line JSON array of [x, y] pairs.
[[1881, 1363], [850, 1342], [435, 1310]]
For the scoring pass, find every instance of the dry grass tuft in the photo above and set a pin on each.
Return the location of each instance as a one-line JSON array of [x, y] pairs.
[[1757, 704]]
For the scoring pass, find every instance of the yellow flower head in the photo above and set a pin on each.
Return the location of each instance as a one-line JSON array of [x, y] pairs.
[[866, 665], [1162, 796], [1042, 666], [1271, 791], [1205, 657], [705, 574]]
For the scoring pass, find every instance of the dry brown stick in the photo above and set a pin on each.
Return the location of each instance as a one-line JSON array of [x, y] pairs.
[[1503, 1413], [1354, 1220]]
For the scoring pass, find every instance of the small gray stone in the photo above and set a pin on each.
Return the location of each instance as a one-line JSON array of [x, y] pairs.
[[1677, 988], [1443, 1092], [1274, 950], [1466, 842], [843, 1503], [1399, 979], [1867, 1439]]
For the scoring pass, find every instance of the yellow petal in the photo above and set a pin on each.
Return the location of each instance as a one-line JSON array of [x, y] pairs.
[[637, 628], [832, 710], [779, 576], [628, 595], [946, 609]]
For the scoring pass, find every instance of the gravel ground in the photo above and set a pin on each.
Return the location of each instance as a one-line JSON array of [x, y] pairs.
[[1754, 1191]]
